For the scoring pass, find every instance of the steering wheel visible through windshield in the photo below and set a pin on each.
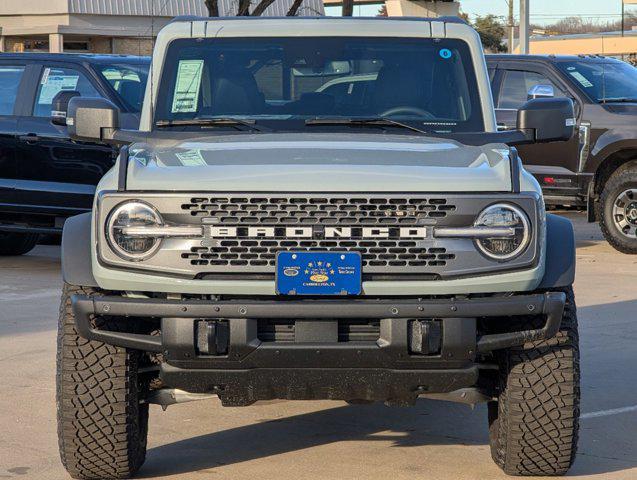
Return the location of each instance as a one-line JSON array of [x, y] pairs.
[[284, 82]]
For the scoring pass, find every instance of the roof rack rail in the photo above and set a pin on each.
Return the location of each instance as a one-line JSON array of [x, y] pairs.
[[451, 19], [195, 18]]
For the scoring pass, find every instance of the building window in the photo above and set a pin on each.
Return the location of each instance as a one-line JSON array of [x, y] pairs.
[[77, 47], [36, 45]]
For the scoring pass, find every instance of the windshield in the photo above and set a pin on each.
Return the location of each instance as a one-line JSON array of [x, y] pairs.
[[128, 81], [283, 82], [604, 81]]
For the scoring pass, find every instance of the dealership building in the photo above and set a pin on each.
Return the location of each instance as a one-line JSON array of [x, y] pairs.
[[106, 26]]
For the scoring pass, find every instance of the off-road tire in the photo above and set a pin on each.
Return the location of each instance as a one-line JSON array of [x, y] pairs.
[[17, 243], [619, 182], [102, 427], [533, 427]]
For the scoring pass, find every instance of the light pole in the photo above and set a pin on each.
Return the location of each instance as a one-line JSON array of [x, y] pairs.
[[623, 17], [511, 26], [524, 27]]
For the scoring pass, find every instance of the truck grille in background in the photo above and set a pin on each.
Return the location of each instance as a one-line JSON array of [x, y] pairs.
[[351, 211], [390, 255]]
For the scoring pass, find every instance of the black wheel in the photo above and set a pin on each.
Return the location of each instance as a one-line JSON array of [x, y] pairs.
[[17, 243], [618, 210], [533, 427], [102, 426]]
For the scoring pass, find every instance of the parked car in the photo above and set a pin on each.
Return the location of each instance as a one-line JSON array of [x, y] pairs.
[[597, 169], [45, 177], [257, 241]]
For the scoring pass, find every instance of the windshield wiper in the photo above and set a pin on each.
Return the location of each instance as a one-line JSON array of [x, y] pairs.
[[364, 122], [210, 122]]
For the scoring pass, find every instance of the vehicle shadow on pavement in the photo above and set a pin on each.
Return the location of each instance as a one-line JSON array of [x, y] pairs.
[[429, 423], [606, 443]]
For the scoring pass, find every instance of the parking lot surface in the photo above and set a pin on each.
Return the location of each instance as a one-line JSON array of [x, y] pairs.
[[323, 440]]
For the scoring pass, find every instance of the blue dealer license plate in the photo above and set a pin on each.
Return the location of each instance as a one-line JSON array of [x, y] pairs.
[[318, 273]]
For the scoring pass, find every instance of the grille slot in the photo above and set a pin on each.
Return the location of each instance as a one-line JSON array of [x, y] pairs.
[[361, 211], [262, 253], [349, 330]]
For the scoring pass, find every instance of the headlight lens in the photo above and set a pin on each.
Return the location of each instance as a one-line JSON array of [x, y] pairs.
[[132, 214], [504, 216]]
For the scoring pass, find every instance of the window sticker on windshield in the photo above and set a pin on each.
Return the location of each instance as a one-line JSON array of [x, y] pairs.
[[187, 87], [581, 79], [445, 53], [53, 84], [191, 158]]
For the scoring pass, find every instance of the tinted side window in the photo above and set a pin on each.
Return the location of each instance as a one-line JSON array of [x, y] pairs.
[[10, 78], [516, 86], [55, 80]]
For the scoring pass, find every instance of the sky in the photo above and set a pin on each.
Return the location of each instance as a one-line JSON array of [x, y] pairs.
[[549, 11]]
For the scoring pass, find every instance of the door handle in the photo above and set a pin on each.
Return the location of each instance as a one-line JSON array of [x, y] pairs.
[[29, 138]]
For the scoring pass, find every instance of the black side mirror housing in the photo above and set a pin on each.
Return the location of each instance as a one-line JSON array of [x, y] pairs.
[[544, 120], [60, 106], [92, 119]]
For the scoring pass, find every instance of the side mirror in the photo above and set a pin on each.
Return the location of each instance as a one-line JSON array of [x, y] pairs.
[[541, 91], [92, 119], [60, 106], [544, 120]]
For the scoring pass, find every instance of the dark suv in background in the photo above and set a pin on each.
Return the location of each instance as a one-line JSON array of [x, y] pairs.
[[596, 169], [44, 176]]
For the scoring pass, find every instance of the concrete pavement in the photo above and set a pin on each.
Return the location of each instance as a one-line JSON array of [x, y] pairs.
[[323, 440]]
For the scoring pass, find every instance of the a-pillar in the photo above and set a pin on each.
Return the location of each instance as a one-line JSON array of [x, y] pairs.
[[419, 8], [56, 43]]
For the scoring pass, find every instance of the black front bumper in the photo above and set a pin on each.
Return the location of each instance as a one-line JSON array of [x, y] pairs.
[[317, 365]]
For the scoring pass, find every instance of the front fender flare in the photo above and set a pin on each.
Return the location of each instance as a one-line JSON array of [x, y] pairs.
[[560, 253], [76, 251]]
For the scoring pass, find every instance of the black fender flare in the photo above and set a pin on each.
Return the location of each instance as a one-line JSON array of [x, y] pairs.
[[560, 253], [76, 251]]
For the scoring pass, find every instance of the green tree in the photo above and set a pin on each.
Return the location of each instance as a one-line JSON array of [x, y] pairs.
[[492, 32]]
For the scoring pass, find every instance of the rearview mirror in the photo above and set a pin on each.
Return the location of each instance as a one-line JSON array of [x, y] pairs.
[[60, 106], [541, 91], [92, 119], [544, 120]]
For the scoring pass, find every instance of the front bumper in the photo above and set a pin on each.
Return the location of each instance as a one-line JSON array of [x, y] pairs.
[[316, 364]]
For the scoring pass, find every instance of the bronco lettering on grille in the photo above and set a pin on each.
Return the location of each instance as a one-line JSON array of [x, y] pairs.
[[316, 232]]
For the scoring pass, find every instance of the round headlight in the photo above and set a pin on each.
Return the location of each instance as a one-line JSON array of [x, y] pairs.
[[505, 216], [132, 214]]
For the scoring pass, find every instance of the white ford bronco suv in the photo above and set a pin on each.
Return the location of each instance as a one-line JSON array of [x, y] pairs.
[[263, 236]]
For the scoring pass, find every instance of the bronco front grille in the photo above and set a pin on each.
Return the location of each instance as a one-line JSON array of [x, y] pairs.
[[387, 255], [241, 233]]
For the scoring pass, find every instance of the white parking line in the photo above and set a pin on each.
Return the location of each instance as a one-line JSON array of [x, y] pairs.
[[606, 413], [15, 296]]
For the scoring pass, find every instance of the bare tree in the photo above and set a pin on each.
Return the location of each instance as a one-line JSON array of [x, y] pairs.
[[294, 8], [262, 7], [348, 8], [244, 8], [213, 7]]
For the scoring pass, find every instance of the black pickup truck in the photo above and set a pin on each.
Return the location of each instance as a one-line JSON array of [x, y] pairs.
[[597, 169], [44, 176]]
